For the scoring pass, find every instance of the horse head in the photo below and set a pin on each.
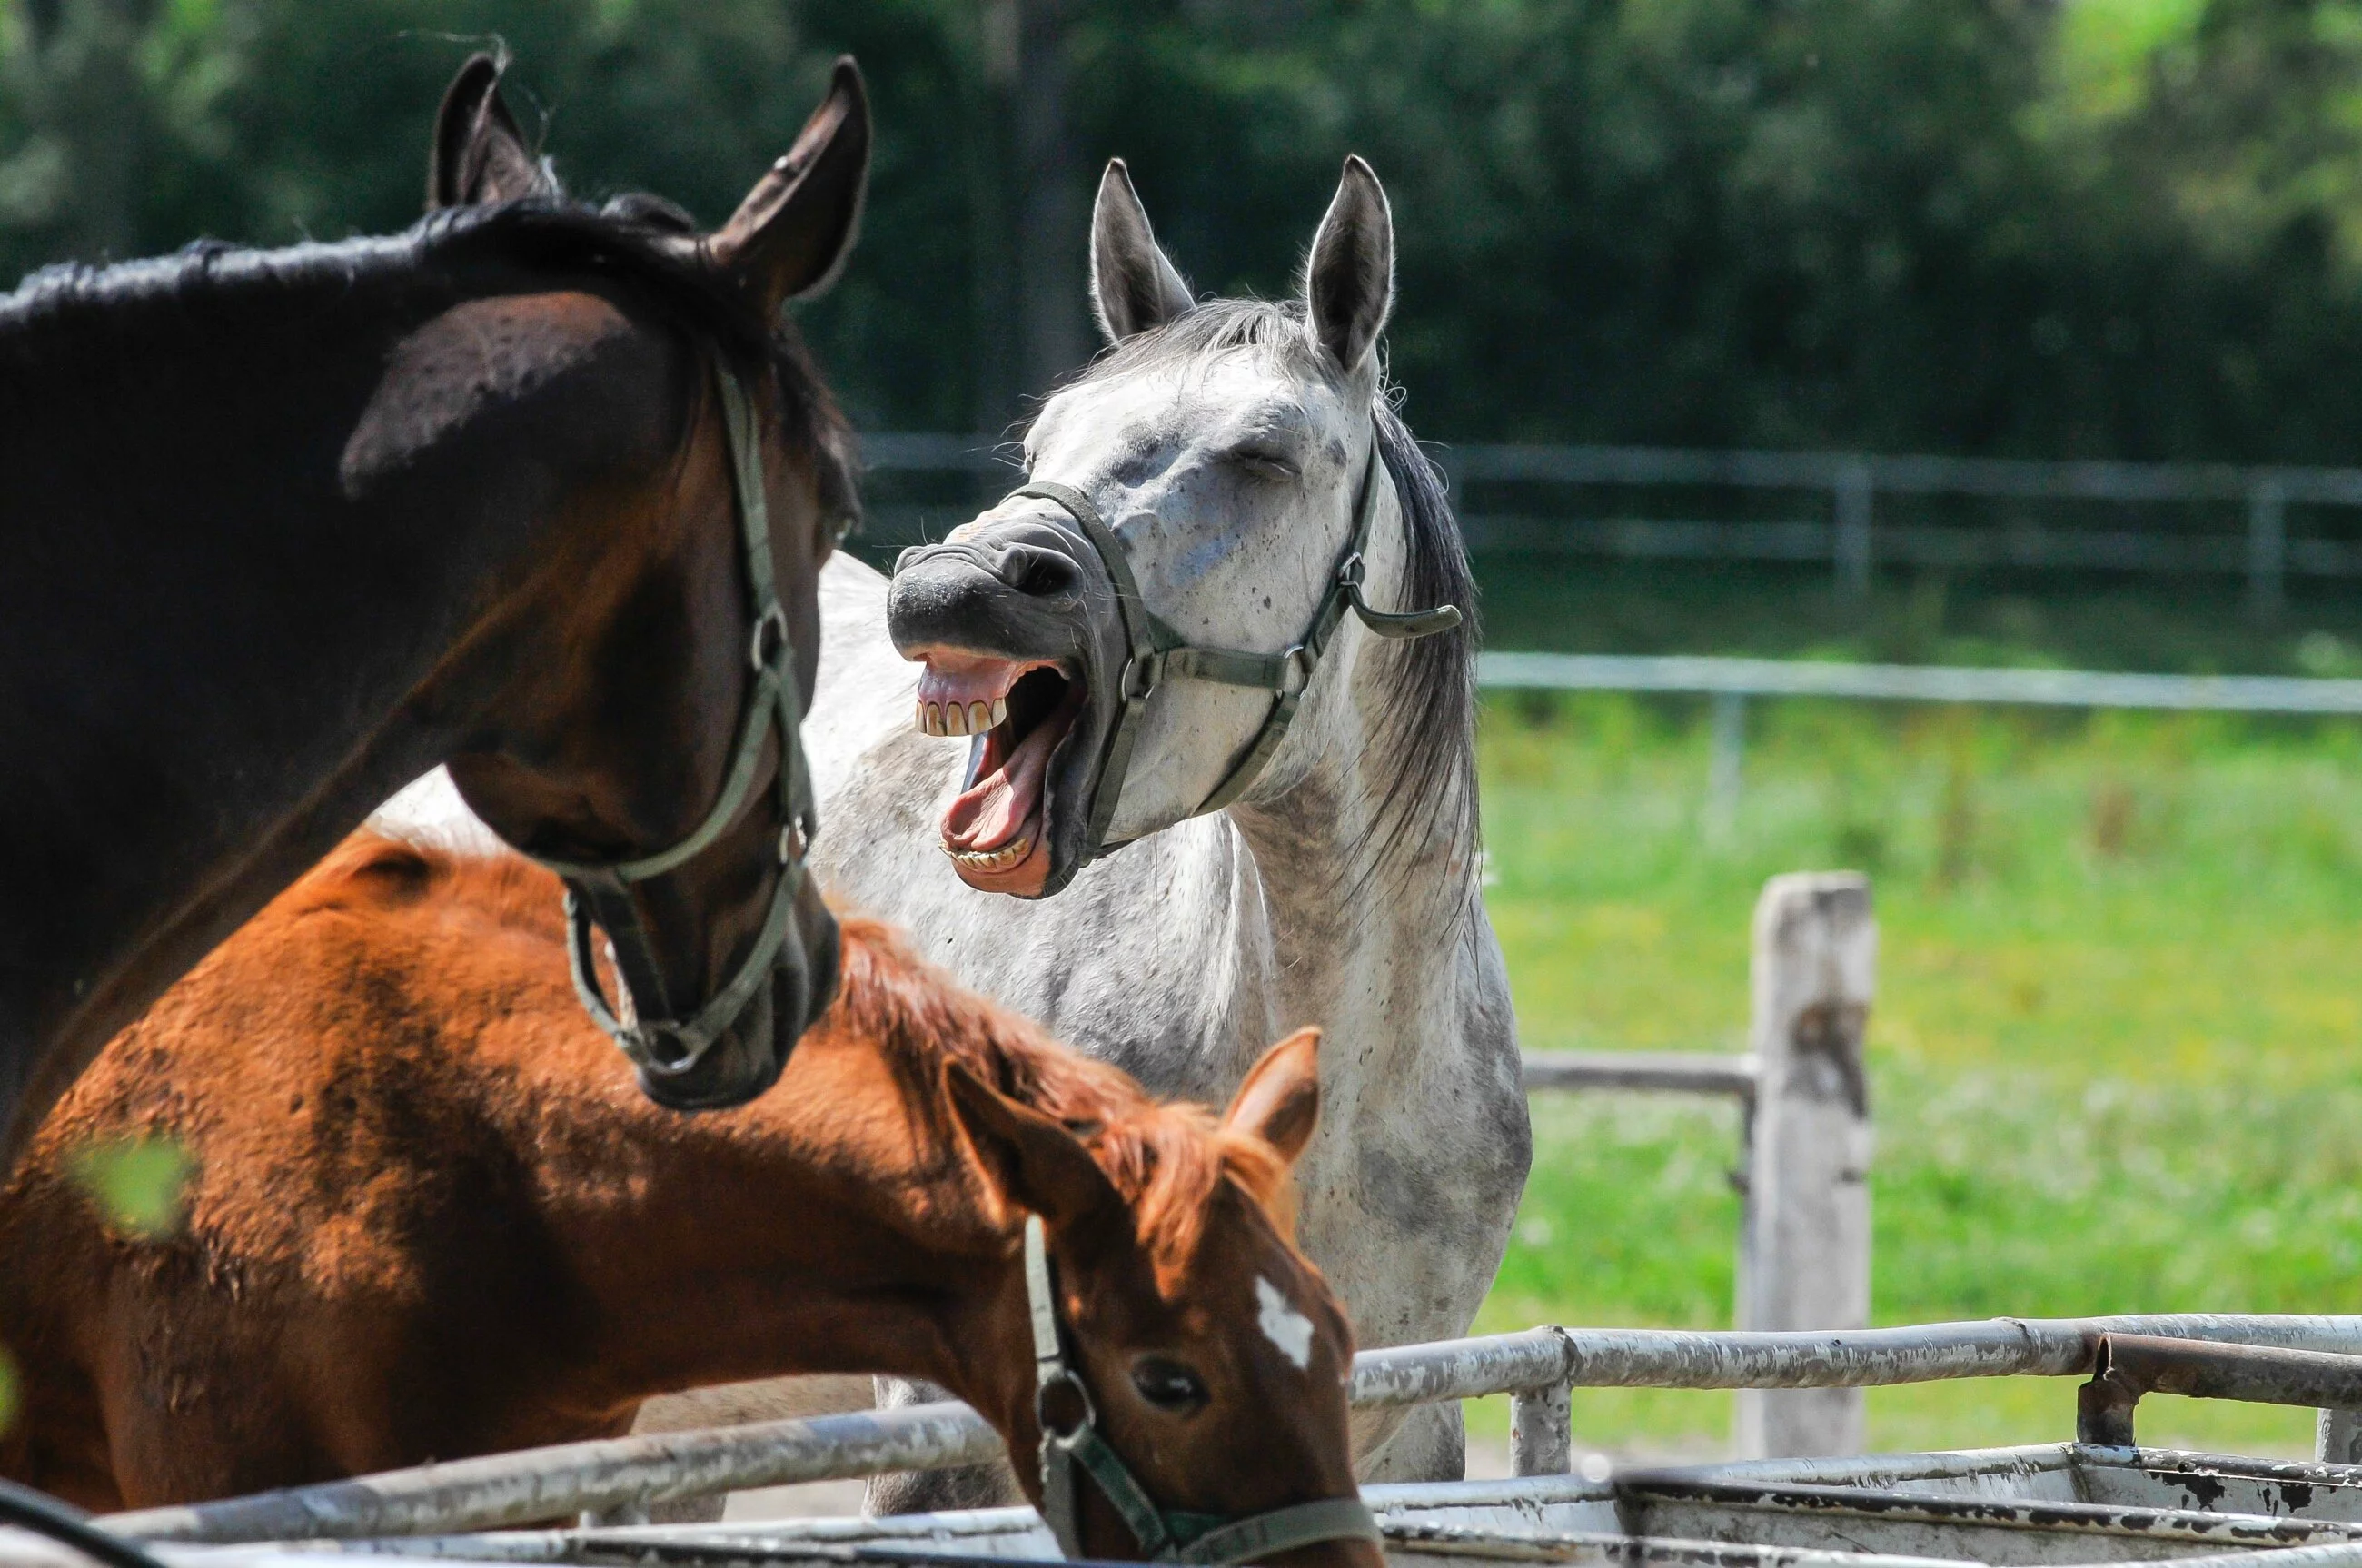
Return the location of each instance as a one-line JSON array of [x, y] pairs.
[[1189, 1365], [1132, 636], [646, 744]]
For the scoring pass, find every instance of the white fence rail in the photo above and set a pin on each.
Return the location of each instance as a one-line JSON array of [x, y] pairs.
[[1535, 1368], [1742, 678]]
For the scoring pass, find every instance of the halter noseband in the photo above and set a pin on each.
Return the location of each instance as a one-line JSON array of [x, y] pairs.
[[1166, 1535], [657, 1040], [1157, 650]]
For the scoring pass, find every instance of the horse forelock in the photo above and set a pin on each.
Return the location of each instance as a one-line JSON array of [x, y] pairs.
[[1427, 728], [1167, 1160]]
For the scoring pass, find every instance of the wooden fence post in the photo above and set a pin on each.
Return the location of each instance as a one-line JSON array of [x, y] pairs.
[[1804, 1247]]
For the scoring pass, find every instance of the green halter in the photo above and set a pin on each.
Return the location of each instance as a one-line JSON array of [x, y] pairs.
[[1157, 650], [656, 1040], [1166, 1535]]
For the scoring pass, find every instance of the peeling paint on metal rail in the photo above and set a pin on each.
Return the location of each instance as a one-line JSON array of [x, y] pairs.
[[507, 1489], [552, 1483]]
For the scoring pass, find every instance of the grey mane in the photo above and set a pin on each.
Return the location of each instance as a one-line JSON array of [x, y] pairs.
[[1429, 724]]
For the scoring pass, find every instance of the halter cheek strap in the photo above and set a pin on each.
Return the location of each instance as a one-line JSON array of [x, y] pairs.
[[654, 1036], [1156, 651], [1166, 1535]]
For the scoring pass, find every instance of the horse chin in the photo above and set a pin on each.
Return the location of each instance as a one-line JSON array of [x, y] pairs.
[[751, 1053]]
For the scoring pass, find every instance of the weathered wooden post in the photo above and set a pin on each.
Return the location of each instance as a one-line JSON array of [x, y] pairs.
[[1804, 1254]]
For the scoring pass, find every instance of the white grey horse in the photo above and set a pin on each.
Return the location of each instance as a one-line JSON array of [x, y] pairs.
[[1232, 450]]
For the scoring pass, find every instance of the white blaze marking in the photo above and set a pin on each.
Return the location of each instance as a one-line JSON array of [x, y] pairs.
[[1282, 1325]]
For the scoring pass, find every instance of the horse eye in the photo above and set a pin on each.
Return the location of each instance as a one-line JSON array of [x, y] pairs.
[[1168, 1385], [1265, 466]]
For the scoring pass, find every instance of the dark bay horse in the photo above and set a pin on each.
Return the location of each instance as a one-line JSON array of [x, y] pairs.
[[279, 529], [431, 1218]]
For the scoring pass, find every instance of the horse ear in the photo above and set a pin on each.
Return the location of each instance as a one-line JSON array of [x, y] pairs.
[[789, 238], [1280, 1101], [1133, 286], [480, 155], [1030, 1161], [1349, 280]]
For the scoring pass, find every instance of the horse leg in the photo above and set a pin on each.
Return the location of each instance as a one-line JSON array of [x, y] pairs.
[[934, 1491], [1430, 1445]]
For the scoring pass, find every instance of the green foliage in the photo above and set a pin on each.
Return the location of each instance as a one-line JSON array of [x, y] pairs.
[[139, 1185], [2110, 1054], [2122, 228]]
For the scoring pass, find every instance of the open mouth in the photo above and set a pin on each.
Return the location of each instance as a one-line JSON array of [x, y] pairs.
[[1024, 709]]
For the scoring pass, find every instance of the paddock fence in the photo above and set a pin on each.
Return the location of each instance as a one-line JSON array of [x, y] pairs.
[[1964, 513], [622, 1477], [1805, 1138]]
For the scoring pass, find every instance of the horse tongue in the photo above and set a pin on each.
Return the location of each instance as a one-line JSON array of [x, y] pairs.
[[995, 809]]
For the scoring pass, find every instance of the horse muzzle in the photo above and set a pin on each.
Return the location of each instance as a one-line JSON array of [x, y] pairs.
[[745, 1057], [1004, 616]]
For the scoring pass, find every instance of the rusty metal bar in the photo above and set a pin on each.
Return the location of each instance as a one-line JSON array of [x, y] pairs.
[[2129, 1366]]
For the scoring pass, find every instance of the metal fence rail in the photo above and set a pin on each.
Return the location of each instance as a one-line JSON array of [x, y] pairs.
[[1849, 537], [1535, 1367], [1917, 683]]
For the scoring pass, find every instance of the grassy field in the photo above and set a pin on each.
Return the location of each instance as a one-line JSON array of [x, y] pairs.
[[2113, 1053]]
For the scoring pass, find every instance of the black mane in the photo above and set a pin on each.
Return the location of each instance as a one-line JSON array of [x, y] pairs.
[[635, 244]]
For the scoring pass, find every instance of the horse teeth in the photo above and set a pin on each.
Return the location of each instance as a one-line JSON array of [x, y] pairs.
[[928, 719], [1000, 712], [954, 719], [979, 718], [1000, 859]]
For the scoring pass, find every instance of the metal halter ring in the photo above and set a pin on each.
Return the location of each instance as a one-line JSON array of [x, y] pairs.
[[770, 628], [1069, 1382]]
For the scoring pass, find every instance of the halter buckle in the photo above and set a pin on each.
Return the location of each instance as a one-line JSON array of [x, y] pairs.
[[769, 639], [1150, 672], [1302, 663], [1351, 570]]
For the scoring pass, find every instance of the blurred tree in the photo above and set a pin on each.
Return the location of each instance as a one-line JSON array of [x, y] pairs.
[[2117, 227]]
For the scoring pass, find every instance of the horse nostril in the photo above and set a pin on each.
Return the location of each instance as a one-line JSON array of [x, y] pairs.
[[1031, 569]]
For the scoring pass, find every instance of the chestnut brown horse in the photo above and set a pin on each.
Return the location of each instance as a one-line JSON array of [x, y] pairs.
[[431, 1218], [283, 528]]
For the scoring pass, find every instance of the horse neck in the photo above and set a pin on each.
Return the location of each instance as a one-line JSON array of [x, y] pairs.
[[833, 1226], [208, 641], [1359, 914]]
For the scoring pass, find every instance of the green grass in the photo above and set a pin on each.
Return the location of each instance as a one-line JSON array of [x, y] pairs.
[[2113, 1051]]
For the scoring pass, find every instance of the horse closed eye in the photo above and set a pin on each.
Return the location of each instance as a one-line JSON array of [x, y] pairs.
[[1168, 1385], [1264, 466]]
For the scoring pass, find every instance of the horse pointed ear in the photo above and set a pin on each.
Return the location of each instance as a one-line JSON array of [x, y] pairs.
[[1029, 1160], [1280, 1101], [1349, 280], [480, 155], [1133, 286], [789, 238]]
